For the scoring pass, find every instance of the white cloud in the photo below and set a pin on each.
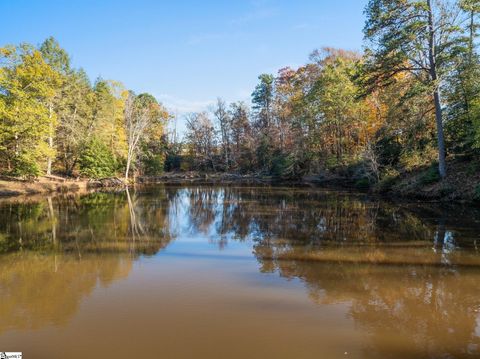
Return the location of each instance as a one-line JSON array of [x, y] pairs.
[[183, 106]]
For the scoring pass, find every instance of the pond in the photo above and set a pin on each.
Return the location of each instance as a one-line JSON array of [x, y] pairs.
[[238, 272]]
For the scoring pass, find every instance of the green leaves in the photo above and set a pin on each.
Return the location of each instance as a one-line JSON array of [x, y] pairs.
[[97, 160], [50, 113]]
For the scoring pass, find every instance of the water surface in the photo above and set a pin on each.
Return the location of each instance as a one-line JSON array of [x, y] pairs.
[[238, 272]]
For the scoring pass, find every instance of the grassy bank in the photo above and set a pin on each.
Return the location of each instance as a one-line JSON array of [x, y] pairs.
[[10, 187], [462, 183]]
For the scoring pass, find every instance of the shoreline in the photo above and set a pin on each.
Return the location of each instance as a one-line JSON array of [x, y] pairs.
[[45, 185], [402, 190], [459, 188]]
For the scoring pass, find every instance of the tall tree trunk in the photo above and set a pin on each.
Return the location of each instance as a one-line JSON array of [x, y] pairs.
[[50, 140], [442, 168], [129, 160]]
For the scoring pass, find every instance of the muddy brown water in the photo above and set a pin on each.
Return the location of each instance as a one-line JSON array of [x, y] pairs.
[[238, 272]]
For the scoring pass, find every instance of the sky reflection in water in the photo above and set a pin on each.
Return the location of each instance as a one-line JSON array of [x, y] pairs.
[[238, 272]]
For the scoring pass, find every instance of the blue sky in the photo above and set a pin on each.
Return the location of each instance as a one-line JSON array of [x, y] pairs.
[[185, 52]]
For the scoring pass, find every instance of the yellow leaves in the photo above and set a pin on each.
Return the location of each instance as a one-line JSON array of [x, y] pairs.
[[44, 151], [30, 85], [157, 128], [31, 77], [4, 51], [7, 52]]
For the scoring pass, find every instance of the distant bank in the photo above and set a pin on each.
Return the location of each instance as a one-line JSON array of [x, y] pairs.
[[461, 185]]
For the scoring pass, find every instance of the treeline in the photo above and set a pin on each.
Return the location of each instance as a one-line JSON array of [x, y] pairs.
[[53, 120], [410, 101]]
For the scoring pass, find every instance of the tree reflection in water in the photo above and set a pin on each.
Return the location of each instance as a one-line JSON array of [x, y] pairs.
[[32, 285], [60, 250], [408, 273]]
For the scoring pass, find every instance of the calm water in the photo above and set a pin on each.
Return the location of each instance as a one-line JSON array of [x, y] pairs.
[[238, 272]]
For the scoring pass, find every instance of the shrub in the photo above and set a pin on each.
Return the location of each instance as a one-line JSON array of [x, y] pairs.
[[431, 175], [387, 180], [97, 161], [173, 162], [154, 164], [25, 166], [282, 165], [331, 162], [414, 159], [388, 149], [186, 163]]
